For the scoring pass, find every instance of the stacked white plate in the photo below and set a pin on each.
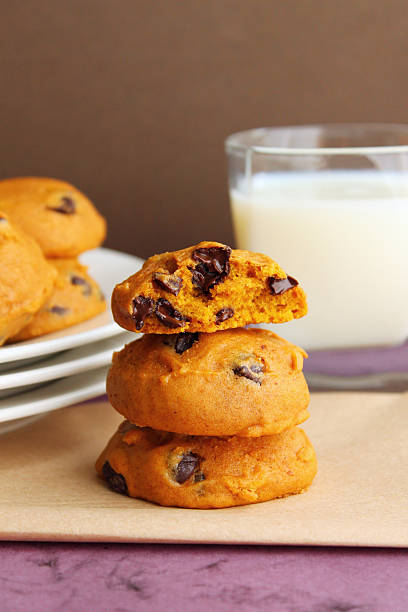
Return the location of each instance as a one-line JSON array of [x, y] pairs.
[[69, 366]]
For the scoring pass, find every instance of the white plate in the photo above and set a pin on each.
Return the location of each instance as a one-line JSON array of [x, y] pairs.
[[17, 390], [108, 267], [67, 363], [54, 395]]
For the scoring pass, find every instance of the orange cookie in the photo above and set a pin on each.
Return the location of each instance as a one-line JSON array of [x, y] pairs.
[[206, 288], [60, 218], [244, 382], [206, 472], [26, 279], [76, 297]]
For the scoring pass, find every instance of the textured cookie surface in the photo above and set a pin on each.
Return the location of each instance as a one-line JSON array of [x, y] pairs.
[[26, 279], [206, 472], [75, 298], [60, 218], [206, 288], [245, 382]]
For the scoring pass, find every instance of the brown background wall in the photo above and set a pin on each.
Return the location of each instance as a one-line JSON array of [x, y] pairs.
[[131, 100]]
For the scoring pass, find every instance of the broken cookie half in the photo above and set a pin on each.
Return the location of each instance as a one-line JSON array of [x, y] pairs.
[[205, 288]]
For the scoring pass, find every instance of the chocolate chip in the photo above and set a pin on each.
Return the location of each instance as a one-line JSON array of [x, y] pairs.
[[116, 481], [78, 280], [199, 477], [280, 285], [223, 314], [250, 372], [212, 268], [186, 467], [185, 341], [168, 315], [142, 308], [180, 342], [67, 206], [3, 219], [59, 310], [168, 282]]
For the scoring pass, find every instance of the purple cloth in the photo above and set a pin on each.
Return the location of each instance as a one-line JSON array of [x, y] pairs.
[[127, 577], [355, 362]]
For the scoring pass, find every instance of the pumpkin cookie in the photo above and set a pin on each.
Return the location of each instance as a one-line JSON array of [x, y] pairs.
[[244, 382], [76, 297], [206, 288], [60, 218], [206, 472], [26, 279]]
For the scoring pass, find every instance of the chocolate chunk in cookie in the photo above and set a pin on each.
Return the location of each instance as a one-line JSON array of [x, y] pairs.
[[185, 341], [67, 206], [252, 371], [59, 310], [223, 315], [116, 481], [180, 342], [168, 315], [212, 268], [280, 285], [186, 467], [78, 280], [168, 282], [142, 308]]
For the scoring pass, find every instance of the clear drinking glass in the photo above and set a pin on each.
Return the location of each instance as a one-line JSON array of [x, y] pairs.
[[330, 204]]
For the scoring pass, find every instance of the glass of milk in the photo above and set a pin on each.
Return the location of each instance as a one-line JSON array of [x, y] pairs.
[[329, 203]]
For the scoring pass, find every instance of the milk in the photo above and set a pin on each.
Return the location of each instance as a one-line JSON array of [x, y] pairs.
[[344, 236]]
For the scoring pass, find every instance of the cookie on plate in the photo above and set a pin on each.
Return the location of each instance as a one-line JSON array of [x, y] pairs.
[[62, 220], [206, 472], [244, 382], [206, 288], [26, 279], [75, 298]]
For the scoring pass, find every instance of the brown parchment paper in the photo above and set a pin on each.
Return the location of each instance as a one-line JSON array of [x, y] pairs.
[[49, 490]]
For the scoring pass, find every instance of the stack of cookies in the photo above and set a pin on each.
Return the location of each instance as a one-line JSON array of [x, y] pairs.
[[44, 225], [211, 407]]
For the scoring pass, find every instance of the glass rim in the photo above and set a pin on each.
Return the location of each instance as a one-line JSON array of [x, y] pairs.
[[234, 143]]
